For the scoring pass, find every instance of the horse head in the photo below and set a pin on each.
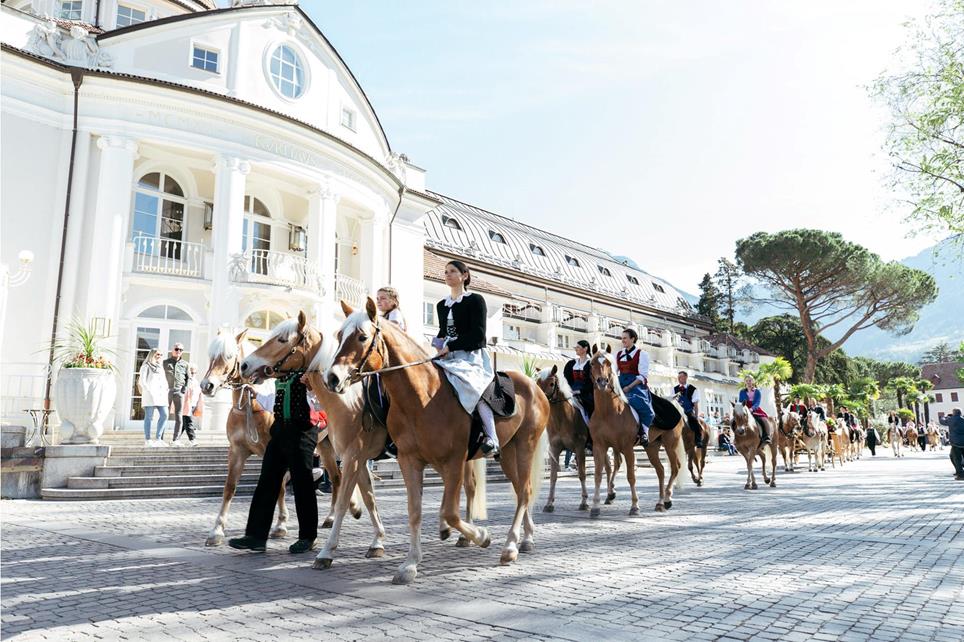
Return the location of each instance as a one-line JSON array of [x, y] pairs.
[[358, 347], [741, 419], [793, 424], [603, 367], [810, 424], [291, 347], [548, 382], [224, 359]]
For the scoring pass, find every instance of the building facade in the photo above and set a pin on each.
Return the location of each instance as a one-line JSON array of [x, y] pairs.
[[948, 391], [176, 168]]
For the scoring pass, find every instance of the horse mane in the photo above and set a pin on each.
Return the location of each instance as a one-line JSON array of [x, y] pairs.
[[286, 328], [326, 352], [223, 345]]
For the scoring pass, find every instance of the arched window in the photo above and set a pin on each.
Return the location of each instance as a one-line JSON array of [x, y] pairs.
[[158, 221], [452, 222], [496, 237], [261, 322]]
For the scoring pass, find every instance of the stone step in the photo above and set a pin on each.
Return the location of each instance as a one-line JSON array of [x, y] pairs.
[[168, 471], [156, 492], [147, 481]]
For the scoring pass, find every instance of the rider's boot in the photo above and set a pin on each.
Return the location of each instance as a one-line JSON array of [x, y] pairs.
[[490, 444]]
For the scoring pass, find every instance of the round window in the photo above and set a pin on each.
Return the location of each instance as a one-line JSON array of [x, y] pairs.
[[287, 72]]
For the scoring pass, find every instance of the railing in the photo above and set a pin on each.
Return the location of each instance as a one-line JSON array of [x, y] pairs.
[[276, 268], [653, 338], [522, 311], [350, 289], [571, 320], [22, 386], [157, 255], [613, 328]]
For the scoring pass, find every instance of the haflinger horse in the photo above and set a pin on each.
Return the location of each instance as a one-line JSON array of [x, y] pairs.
[[430, 428], [695, 457], [856, 438], [896, 439], [814, 441], [747, 439], [787, 434], [567, 429], [839, 442], [247, 427], [295, 346], [614, 425], [910, 436], [934, 437]]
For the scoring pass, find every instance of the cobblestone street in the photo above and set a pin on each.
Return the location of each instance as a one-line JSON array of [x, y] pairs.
[[871, 551]]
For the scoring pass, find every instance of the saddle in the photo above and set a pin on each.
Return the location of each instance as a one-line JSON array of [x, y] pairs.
[[666, 415], [500, 395], [375, 413]]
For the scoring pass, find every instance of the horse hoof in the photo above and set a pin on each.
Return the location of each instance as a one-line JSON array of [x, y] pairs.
[[356, 513], [508, 557], [463, 542], [699, 482], [634, 511], [584, 506], [610, 497], [753, 486], [594, 512], [405, 576], [278, 533], [660, 508], [214, 540], [548, 508], [444, 534], [746, 487], [668, 504], [773, 484], [322, 563], [375, 552], [328, 522], [527, 546]]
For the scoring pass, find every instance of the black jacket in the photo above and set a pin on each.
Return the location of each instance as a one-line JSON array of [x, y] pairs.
[[470, 317], [585, 395], [955, 424]]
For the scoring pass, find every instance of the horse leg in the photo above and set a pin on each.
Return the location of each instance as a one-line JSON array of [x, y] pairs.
[[773, 469], [412, 472], [652, 452], [330, 464], [348, 476], [675, 468], [553, 474], [377, 547], [281, 527], [468, 479], [599, 457], [750, 458], [611, 476], [528, 542], [517, 474], [630, 456], [451, 474], [581, 467], [762, 454], [236, 459]]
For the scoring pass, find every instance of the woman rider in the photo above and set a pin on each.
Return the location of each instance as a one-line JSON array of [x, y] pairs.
[[578, 372], [461, 348], [633, 365], [750, 397], [387, 302]]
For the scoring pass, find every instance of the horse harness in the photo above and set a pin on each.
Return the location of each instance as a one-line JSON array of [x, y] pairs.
[[360, 373]]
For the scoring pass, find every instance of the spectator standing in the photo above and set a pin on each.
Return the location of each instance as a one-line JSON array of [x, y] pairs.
[[955, 432], [152, 384], [176, 370], [192, 409]]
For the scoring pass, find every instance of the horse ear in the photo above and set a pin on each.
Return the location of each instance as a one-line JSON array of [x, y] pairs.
[[371, 309], [302, 320], [595, 349], [347, 309], [241, 335], [733, 405], [609, 349], [555, 369]]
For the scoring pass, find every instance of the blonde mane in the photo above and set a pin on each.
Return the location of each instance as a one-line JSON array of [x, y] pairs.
[[286, 328], [563, 385], [224, 346], [613, 377]]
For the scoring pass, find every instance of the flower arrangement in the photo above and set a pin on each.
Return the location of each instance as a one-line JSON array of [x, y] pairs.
[[81, 348]]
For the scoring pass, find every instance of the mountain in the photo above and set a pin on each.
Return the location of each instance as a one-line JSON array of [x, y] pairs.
[[942, 320]]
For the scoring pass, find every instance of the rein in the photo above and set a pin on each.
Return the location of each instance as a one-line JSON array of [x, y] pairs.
[[360, 373]]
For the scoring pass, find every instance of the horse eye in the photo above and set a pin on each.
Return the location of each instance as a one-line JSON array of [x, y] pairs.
[[362, 338], [281, 340]]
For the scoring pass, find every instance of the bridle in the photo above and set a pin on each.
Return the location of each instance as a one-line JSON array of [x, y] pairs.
[[276, 368], [359, 373], [555, 399]]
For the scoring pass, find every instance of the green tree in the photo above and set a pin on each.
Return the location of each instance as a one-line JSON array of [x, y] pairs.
[[923, 386], [864, 391], [709, 303], [731, 284], [940, 353], [904, 388], [832, 282], [776, 373], [926, 139]]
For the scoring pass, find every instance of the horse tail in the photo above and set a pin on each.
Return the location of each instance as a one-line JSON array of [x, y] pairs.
[[479, 508], [681, 454], [537, 467]]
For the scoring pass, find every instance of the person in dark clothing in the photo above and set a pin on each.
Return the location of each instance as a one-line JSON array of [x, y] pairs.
[[291, 449], [176, 370], [578, 373], [955, 432], [689, 398], [872, 440]]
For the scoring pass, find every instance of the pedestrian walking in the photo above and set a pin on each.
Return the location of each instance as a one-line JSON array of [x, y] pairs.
[[873, 438], [176, 370], [192, 409], [955, 433], [290, 449], [152, 384]]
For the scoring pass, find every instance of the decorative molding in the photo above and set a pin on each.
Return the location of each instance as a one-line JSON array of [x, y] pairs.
[[296, 27], [232, 164], [77, 47], [117, 142], [397, 164]]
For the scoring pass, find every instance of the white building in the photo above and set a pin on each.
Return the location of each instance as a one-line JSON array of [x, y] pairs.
[[948, 391], [176, 168]]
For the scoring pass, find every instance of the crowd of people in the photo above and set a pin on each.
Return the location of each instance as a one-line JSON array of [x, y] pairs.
[[170, 388]]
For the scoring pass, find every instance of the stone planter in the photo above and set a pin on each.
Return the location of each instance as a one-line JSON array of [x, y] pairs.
[[84, 397]]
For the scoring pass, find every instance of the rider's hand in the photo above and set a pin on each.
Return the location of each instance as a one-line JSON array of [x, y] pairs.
[[627, 389], [444, 350]]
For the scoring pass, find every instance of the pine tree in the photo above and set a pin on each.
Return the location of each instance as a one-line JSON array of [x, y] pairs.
[[709, 303]]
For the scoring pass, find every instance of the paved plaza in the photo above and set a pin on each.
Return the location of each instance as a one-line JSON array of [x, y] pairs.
[[873, 551]]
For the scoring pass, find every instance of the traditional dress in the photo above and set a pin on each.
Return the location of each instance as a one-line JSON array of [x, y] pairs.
[[578, 372], [752, 401], [689, 396], [467, 365], [633, 365], [395, 316]]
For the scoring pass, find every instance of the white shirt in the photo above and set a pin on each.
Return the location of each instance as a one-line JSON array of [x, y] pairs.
[[643, 375], [396, 317]]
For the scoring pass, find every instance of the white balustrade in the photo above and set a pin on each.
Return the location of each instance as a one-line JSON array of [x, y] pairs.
[[350, 289], [277, 268], [158, 255]]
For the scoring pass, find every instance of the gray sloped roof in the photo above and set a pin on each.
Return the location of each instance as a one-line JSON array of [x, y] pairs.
[[564, 260]]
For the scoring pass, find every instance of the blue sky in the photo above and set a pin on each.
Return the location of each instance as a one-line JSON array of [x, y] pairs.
[[659, 130]]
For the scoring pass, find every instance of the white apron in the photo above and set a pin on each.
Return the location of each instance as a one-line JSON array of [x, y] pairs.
[[470, 373]]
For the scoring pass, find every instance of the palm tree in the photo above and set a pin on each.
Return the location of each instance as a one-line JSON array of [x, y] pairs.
[[905, 388], [834, 394], [865, 390], [776, 373], [923, 386]]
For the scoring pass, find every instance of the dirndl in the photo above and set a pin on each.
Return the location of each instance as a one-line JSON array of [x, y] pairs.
[[470, 373]]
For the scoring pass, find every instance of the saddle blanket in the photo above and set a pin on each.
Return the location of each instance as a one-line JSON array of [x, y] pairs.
[[666, 415], [500, 395]]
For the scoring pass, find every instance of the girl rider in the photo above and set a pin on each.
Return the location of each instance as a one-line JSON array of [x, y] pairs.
[[461, 348], [633, 365], [750, 397]]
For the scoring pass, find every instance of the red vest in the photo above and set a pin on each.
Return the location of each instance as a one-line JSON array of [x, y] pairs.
[[630, 365], [578, 376]]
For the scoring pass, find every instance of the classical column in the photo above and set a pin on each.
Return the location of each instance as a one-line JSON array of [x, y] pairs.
[[374, 251], [322, 222], [112, 208], [228, 234]]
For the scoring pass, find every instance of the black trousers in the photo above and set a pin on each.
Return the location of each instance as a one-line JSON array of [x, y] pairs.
[[175, 399], [922, 441], [291, 449], [957, 458], [187, 425], [694, 424], [873, 447]]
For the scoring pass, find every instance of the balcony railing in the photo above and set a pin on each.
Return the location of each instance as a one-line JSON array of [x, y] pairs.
[[613, 328], [157, 255], [522, 311], [350, 290], [277, 268], [571, 320]]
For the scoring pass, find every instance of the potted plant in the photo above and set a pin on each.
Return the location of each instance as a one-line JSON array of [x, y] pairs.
[[86, 388]]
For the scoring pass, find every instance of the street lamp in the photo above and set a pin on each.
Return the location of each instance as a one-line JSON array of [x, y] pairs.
[[8, 280]]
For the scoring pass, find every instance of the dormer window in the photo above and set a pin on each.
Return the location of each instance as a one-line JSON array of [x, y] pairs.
[[71, 10], [632, 279], [604, 270], [205, 58], [348, 118], [448, 221], [573, 261], [658, 287], [127, 15], [495, 237], [536, 250]]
